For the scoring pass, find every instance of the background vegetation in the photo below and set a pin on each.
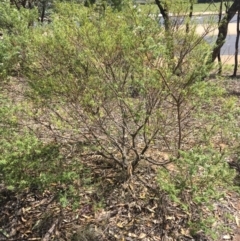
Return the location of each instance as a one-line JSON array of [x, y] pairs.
[[111, 88]]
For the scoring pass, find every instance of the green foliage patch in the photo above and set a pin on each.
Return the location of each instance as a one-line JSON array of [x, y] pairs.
[[200, 177]]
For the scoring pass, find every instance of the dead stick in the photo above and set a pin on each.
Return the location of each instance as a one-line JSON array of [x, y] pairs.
[[50, 231]]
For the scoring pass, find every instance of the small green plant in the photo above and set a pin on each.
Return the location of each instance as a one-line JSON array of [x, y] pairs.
[[27, 162], [201, 177]]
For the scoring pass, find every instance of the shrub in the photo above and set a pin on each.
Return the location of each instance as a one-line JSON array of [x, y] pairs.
[[26, 162], [115, 87], [200, 177]]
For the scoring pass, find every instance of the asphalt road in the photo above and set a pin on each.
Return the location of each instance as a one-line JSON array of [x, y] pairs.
[[229, 46]]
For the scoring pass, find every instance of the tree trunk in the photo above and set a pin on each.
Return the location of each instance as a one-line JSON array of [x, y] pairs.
[[165, 14], [219, 54], [163, 8], [43, 10], [236, 46], [223, 28], [190, 15]]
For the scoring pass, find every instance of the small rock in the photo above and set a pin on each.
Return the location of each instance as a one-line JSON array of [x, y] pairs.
[[227, 237]]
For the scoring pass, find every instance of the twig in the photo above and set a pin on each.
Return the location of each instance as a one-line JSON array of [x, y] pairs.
[[149, 159], [50, 231]]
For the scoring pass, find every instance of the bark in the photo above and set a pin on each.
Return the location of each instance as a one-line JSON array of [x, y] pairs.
[[163, 8], [43, 10], [164, 13], [236, 46], [223, 28], [219, 54], [190, 15]]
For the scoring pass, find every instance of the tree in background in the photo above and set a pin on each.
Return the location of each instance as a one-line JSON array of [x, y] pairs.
[[236, 46], [223, 27], [230, 8]]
